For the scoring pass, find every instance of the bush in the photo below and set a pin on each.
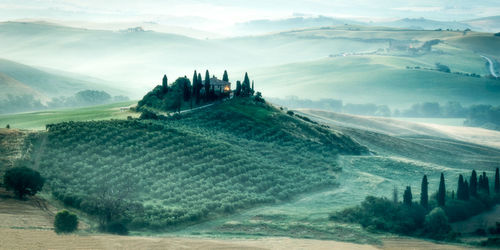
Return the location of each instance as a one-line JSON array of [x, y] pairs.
[[65, 222], [24, 181], [384, 215], [436, 224]]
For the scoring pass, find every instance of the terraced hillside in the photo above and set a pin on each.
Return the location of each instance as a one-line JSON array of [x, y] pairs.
[[198, 165]]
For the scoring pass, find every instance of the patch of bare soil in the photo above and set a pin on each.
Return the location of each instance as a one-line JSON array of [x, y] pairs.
[[42, 239], [417, 244]]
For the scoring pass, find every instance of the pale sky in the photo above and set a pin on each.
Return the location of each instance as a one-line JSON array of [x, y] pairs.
[[217, 14]]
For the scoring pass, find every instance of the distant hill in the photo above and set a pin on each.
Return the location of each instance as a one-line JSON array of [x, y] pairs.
[[20, 79], [11, 86], [425, 24], [267, 25], [487, 24]]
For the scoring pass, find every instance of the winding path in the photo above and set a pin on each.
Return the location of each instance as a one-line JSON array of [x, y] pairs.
[[492, 69]]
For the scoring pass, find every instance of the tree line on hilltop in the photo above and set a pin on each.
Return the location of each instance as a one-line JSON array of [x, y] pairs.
[[184, 93]]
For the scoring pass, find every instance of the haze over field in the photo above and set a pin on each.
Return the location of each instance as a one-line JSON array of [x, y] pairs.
[[363, 124]]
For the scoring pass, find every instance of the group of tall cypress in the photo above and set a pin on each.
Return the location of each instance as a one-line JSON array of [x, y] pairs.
[[194, 90], [465, 189]]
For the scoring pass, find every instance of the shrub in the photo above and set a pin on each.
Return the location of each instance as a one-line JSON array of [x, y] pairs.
[[384, 215], [65, 222], [24, 181], [436, 224], [289, 112]]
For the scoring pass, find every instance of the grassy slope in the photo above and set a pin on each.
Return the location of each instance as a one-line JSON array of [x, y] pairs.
[[225, 157], [401, 160], [47, 84], [38, 120], [11, 86], [377, 79]]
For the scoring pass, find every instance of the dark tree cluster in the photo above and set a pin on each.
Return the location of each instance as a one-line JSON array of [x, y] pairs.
[[429, 218], [23, 181], [186, 93]]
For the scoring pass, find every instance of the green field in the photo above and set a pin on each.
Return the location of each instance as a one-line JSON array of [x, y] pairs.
[[380, 79], [38, 120]]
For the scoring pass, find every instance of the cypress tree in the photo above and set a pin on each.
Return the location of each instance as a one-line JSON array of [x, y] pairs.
[[238, 88], [253, 91], [480, 184], [452, 194], [407, 197], [195, 83], [245, 88], [497, 182], [424, 193], [207, 85], [441, 195], [164, 83], [473, 184], [466, 190], [200, 85], [395, 195], [225, 77], [486, 184], [460, 188]]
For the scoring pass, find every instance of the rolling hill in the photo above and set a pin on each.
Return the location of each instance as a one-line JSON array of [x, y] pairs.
[[199, 165], [19, 79], [355, 63], [11, 86], [487, 24], [178, 162], [377, 79]]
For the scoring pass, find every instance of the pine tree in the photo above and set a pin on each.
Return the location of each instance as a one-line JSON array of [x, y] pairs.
[[207, 85], [473, 183], [407, 196], [441, 195], [164, 83], [460, 188], [424, 194], [238, 88], [497, 182], [225, 77]]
